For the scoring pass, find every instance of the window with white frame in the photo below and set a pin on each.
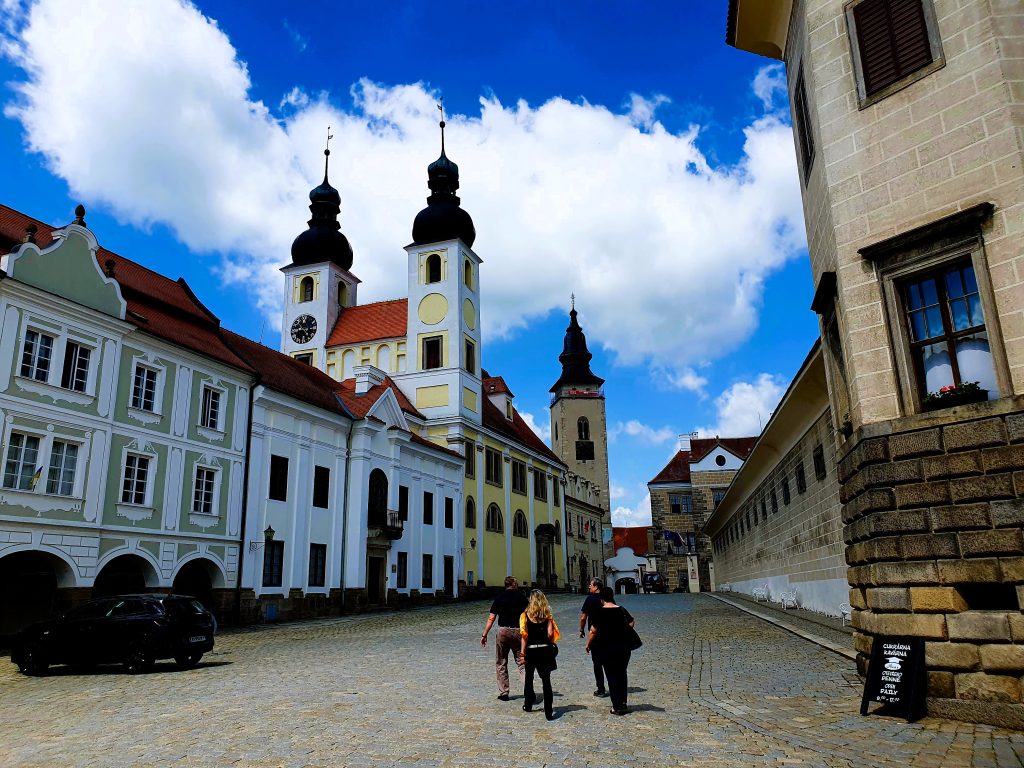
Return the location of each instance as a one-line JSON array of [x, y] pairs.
[[204, 491], [20, 466], [135, 484], [209, 415], [60, 479], [75, 375], [35, 355], [144, 388]]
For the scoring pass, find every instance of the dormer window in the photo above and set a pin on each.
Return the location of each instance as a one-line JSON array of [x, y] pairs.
[[306, 289], [508, 409], [433, 268]]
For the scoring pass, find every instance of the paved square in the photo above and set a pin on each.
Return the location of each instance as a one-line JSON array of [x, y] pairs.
[[712, 686]]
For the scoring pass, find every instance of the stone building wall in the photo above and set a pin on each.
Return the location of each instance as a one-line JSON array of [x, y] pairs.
[[672, 567], [790, 546]]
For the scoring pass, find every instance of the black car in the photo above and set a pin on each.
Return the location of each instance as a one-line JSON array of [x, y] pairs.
[[133, 630], [654, 582]]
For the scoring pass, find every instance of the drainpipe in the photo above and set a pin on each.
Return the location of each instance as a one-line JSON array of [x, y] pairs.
[[344, 504], [245, 504]]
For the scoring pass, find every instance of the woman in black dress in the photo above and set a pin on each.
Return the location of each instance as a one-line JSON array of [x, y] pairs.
[[537, 648], [609, 642]]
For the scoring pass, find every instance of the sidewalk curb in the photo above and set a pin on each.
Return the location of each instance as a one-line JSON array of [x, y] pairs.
[[816, 639]]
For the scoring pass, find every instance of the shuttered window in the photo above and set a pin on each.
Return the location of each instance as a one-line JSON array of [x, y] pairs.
[[805, 139], [892, 39]]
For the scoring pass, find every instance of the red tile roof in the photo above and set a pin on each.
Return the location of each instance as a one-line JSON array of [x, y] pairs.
[[285, 374], [423, 441], [360, 405], [634, 538], [678, 468], [493, 385], [516, 429], [369, 322], [156, 304]]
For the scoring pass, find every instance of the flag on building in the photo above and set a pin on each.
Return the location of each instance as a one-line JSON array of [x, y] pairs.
[[674, 537], [35, 479]]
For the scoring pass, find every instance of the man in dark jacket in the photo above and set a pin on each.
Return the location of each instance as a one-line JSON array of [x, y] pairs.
[[593, 603], [506, 609]]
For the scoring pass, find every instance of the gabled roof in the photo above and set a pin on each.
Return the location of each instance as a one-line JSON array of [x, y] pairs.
[[156, 304], [738, 446], [634, 538], [676, 471], [516, 430], [369, 322], [360, 405], [494, 385], [285, 374]]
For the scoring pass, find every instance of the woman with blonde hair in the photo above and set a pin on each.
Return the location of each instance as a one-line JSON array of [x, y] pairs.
[[538, 633]]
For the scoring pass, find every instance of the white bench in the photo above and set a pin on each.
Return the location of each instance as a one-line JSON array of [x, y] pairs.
[[845, 612], [760, 593], [789, 600], [727, 587]]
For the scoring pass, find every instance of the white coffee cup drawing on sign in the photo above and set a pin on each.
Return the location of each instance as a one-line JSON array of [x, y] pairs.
[[893, 663]]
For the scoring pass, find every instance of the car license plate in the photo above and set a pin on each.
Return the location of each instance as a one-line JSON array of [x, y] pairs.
[[197, 639]]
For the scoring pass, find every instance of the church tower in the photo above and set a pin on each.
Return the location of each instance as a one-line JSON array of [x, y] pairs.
[[579, 432], [443, 376], [317, 282]]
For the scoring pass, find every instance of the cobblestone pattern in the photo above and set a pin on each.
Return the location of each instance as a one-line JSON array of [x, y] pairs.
[[711, 687], [933, 526]]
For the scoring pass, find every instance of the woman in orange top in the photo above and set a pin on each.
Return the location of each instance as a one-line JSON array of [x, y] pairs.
[[538, 633]]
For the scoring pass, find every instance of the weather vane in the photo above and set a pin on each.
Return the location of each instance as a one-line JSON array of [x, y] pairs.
[[440, 107], [330, 136], [572, 298]]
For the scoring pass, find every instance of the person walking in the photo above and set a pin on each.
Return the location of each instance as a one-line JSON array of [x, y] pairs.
[[591, 604], [538, 635], [608, 638], [506, 610]]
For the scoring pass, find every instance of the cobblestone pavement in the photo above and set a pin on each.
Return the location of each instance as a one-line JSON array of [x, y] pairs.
[[711, 687]]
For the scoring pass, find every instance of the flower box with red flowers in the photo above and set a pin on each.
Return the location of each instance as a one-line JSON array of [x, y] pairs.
[[950, 396]]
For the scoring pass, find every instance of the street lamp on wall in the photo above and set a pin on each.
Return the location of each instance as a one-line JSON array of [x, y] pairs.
[[268, 536], [472, 546]]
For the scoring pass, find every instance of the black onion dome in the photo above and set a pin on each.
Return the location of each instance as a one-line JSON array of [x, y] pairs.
[[443, 218], [323, 241], [575, 357]]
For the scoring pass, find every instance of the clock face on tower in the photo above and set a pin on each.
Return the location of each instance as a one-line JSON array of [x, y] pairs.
[[303, 329]]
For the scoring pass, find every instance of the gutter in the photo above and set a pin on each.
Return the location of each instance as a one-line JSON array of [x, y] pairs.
[[344, 499]]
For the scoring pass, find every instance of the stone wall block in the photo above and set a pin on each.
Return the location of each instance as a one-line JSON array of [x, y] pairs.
[[1011, 569], [1003, 458], [858, 599], [883, 523], [974, 434], [859, 575], [984, 488], [857, 531], [869, 451], [884, 549], [1017, 622], [928, 545], [852, 488], [893, 473], [1008, 513], [930, 626], [960, 656], [922, 495], [862, 643], [1015, 427], [1001, 541], [857, 554], [960, 517], [936, 600], [1003, 658], [873, 500], [922, 443], [980, 570], [941, 685], [979, 686], [977, 625], [903, 573], [952, 465], [889, 599]]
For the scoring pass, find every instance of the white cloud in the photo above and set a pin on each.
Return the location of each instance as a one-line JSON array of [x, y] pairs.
[[295, 98], [630, 517], [770, 83], [745, 407], [686, 379], [666, 255], [641, 432], [541, 429], [617, 492]]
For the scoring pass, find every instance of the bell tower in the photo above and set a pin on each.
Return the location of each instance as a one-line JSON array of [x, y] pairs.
[[318, 282], [579, 431]]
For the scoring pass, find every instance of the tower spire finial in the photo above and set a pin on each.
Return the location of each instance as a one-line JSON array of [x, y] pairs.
[[572, 299], [327, 152], [440, 107]]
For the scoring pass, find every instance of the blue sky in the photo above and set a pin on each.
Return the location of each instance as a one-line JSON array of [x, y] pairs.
[[620, 151]]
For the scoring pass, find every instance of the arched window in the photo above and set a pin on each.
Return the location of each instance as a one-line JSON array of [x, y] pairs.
[[520, 527], [558, 532], [348, 363], [470, 512], [306, 289], [467, 274], [494, 521], [342, 293], [433, 268], [377, 504], [384, 358], [583, 428]]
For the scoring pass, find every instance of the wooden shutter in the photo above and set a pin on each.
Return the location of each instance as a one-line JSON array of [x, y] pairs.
[[805, 139], [892, 38]]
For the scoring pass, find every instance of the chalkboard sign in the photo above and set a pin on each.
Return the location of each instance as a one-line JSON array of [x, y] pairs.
[[896, 677]]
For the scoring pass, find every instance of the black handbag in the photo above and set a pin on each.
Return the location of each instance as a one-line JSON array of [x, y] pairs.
[[633, 640]]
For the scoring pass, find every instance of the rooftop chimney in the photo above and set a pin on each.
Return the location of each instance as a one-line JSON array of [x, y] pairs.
[[684, 441], [367, 377]]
